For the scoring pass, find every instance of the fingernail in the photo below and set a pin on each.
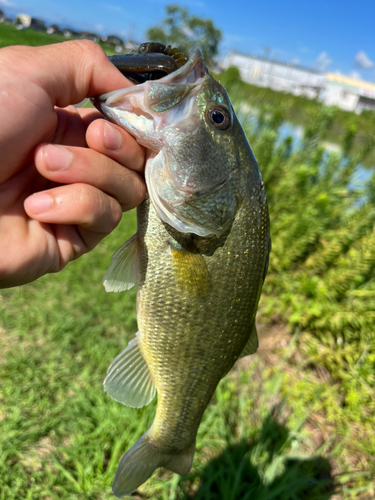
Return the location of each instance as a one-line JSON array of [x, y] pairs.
[[57, 157], [112, 137], [39, 203]]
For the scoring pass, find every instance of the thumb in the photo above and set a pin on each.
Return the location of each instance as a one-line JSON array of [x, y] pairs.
[[34, 80], [71, 71]]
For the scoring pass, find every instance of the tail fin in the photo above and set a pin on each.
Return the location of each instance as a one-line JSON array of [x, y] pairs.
[[143, 458]]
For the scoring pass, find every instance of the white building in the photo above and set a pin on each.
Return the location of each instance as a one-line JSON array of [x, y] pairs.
[[333, 89], [277, 75], [26, 21], [348, 93]]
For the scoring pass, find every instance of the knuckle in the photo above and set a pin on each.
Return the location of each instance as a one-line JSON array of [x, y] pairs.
[[86, 197], [89, 48], [141, 191], [117, 214], [98, 209], [138, 193]]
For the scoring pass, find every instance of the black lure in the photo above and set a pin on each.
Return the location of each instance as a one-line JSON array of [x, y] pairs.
[[150, 61]]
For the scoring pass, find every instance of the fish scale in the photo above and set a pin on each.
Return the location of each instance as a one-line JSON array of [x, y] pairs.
[[213, 331]]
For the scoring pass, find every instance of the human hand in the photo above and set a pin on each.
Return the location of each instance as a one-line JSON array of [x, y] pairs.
[[65, 175]]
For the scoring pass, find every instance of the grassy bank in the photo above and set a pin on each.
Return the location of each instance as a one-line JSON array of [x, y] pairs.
[[9, 35], [276, 427]]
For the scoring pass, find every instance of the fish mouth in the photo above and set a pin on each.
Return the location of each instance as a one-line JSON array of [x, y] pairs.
[[190, 72], [193, 71]]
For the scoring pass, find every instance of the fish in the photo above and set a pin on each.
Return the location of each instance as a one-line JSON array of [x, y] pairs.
[[199, 259]]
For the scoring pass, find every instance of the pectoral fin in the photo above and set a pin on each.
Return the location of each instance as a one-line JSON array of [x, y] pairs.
[[122, 272], [190, 271], [252, 344], [128, 379]]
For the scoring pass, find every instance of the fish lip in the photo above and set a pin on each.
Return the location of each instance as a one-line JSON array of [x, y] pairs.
[[195, 62], [195, 65], [98, 101]]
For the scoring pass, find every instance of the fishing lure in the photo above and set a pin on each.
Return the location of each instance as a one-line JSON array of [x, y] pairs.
[[149, 61]]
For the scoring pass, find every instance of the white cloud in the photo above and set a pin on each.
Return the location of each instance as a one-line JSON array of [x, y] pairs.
[[323, 61], [295, 61], [237, 42], [115, 8], [355, 75], [363, 61], [229, 37], [7, 3], [187, 31], [99, 27]]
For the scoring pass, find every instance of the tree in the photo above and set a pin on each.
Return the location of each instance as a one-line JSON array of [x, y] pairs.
[[187, 32]]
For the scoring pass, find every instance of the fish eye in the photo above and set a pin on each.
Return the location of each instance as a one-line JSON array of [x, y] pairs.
[[219, 118]]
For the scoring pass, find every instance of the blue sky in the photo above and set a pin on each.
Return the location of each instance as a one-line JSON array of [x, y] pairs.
[[334, 35]]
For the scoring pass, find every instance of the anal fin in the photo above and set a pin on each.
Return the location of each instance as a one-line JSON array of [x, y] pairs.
[[128, 379], [252, 344]]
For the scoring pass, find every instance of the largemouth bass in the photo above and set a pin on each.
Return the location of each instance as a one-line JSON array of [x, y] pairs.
[[199, 259]]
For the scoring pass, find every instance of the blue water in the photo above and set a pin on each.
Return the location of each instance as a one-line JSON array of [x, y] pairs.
[[248, 116]]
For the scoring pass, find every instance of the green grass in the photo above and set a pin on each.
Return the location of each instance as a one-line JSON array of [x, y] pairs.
[[9, 35], [62, 436]]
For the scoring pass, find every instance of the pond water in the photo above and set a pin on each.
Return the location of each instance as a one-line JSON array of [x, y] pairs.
[[249, 116]]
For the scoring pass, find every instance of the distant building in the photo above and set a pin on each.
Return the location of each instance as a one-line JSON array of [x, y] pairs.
[[37, 24], [26, 21], [112, 40], [8, 20], [131, 45], [86, 35], [68, 33], [115, 41], [53, 29], [348, 93], [277, 75]]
